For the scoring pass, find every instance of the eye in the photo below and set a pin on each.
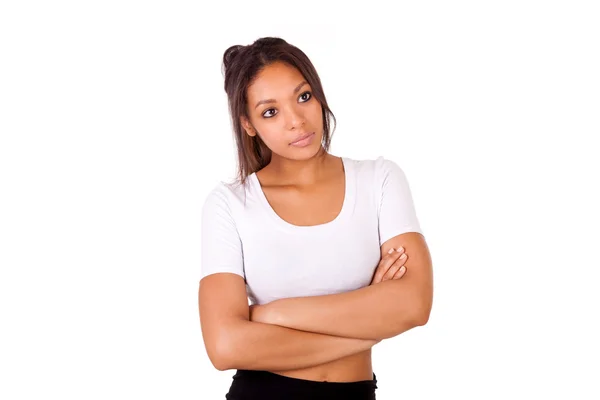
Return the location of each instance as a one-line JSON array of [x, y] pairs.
[[271, 111], [309, 94], [266, 115]]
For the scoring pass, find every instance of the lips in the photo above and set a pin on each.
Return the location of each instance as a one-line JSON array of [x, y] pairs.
[[302, 137]]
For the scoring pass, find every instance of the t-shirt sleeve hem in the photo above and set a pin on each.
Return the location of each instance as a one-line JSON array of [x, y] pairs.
[[399, 231], [204, 275]]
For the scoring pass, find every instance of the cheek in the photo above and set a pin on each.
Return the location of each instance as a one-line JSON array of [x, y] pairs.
[[270, 133], [316, 110]]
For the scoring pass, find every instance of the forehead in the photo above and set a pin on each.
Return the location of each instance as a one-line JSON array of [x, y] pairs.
[[275, 79]]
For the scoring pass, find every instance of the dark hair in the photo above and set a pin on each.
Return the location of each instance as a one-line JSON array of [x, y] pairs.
[[241, 65]]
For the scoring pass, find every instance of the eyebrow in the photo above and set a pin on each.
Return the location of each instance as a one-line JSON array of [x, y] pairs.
[[273, 100]]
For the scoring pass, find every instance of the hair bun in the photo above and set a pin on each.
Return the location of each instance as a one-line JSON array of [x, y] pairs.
[[230, 54]]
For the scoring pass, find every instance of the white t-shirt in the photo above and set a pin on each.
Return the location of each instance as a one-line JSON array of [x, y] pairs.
[[242, 234]]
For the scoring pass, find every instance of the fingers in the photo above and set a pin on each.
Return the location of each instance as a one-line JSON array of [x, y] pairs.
[[386, 262], [396, 268], [400, 273]]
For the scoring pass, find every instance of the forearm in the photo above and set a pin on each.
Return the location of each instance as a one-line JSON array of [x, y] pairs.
[[374, 312], [259, 346]]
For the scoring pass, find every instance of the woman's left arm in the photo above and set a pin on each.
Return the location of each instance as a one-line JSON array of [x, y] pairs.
[[378, 311]]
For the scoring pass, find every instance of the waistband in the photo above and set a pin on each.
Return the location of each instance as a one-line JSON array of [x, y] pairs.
[[266, 383]]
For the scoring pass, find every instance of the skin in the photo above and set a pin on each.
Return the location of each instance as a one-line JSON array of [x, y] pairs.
[[278, 123], [303, 178]]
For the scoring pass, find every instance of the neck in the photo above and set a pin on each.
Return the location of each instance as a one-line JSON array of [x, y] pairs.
[[301, 172]]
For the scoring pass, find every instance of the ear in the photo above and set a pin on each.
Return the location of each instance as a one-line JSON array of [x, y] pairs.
[[247, 126]]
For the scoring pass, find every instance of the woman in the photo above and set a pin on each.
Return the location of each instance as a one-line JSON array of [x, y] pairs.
[[317, 242]]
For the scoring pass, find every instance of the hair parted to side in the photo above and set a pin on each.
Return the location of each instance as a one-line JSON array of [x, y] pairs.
[[241, 65]]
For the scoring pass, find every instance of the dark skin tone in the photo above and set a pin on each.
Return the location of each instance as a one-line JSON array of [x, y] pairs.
[[281, 108], [288, 109]]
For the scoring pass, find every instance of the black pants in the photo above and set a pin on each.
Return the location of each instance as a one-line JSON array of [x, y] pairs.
[[264, 385]]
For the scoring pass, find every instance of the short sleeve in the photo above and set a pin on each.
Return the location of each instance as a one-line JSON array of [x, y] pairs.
[[396, 212], [221, 246]]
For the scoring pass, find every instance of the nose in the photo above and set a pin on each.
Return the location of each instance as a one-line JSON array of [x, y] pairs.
[[294, 118]]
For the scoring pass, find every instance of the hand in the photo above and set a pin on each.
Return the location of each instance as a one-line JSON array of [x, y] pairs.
[[391, 266]]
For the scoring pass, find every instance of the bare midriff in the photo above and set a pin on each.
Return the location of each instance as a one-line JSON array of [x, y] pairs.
[[354, 368]]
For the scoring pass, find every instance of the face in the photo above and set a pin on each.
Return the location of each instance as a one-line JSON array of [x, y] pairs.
[[281, 109]]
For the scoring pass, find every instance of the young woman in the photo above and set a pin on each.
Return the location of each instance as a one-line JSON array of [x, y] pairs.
[[317, 242]]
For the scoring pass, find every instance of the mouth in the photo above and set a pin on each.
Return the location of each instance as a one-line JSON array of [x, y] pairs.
[[303, 140]]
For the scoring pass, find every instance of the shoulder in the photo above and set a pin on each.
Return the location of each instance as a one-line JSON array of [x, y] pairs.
[[377, 168], [228, 192], [226, 197]]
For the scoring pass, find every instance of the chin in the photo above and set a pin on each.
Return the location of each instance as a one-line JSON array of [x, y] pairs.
[[307, 153]]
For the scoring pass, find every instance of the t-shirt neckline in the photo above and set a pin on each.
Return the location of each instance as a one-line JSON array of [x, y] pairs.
[[349, 194]]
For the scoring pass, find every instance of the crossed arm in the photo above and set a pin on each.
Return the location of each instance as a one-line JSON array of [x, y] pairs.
[[376, 312]]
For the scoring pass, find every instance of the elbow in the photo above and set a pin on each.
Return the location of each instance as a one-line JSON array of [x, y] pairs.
[[221, 366], [229, 348], [219, 354], [421, 319], [409, 319], [223, 359], [218, 359], [422, 312]]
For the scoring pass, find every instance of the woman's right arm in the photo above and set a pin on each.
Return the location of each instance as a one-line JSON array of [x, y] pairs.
[[233, 341]]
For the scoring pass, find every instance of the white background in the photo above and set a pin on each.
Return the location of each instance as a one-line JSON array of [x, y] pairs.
[[114, 127]]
